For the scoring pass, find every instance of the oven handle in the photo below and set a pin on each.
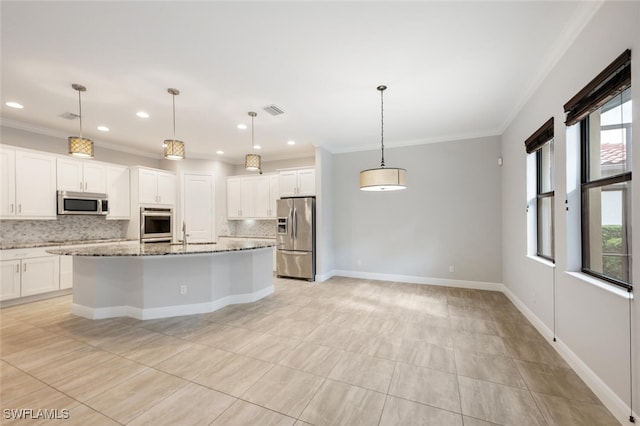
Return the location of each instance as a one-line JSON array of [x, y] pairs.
[[157, 214]]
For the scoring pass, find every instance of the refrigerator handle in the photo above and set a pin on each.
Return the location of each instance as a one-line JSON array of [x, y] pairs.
[[295, 223], [291, 221]]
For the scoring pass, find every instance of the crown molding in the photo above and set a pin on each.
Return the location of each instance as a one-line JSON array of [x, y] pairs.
[[19, 125]]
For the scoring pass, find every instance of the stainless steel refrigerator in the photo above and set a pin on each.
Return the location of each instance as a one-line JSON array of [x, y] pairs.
[[296, 238]]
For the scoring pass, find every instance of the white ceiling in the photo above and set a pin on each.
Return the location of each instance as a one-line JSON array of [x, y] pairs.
[[454, 70]]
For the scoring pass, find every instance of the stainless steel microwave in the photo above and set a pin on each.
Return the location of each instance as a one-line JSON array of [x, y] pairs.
[[89, 203]]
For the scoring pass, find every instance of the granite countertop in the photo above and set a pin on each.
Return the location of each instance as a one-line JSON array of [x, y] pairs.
[[56, 243], [162, 249]]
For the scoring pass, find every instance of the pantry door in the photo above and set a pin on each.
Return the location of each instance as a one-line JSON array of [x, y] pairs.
[[198, 208]]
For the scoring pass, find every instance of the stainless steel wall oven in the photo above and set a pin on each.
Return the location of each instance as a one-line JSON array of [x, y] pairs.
[[156, 224]]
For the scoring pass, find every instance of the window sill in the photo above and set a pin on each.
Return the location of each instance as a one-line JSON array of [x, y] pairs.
[[611, 288], [542, 260]]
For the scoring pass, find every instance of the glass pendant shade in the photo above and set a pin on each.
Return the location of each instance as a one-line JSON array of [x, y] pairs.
[[252, 162], [173, 149], [383, 179], [80, 147]]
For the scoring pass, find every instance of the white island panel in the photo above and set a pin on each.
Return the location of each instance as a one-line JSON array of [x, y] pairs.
[[152, 286]]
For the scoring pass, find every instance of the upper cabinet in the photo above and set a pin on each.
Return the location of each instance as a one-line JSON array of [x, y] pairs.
[[117, 178], [266, 194], [28, 184], [81, 175], [297, 183], [155, 186], [241, 197], [252, 197]]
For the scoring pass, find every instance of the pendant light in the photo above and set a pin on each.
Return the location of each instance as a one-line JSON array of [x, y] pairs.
[[252, 162], [79, 146], [383, 178], [173, 148]]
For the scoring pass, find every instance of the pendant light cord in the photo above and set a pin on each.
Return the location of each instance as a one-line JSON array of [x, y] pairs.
[[382, 123], [252, 142], [173, 96], [80, 110]]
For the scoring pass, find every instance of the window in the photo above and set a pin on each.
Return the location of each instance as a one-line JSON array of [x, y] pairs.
[[540, 144], [605, 173]]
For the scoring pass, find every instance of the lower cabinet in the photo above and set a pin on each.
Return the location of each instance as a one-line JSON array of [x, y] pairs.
[[10, 279], [66, 272], [28, 272]]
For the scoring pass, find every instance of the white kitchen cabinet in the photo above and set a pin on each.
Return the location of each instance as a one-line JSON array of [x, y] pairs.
[[301, 182], [252, 197], [26, 272], [28, 184], [240, 197], [66, 272], [266, 195], [234, 206], [81, 176], [247, 196], [117, 178], [40, 275], [166, 188], [156, 187], [7, 183], [10, 279]]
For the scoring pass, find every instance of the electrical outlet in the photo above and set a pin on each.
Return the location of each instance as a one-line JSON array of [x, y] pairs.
[[451, 268], [183, 289]]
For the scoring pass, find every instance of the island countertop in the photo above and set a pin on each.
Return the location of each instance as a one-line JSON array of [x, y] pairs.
[[162, 249]]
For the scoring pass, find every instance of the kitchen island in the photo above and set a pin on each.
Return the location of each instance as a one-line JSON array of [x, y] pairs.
[[159, 280]]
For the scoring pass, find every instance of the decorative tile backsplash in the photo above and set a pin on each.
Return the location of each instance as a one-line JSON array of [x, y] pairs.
[[249, 228], [65, 228]]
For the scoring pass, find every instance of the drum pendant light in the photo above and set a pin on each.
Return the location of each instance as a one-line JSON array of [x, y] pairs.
[[173, 148], [383, 178], [252, 162], [79, 146]]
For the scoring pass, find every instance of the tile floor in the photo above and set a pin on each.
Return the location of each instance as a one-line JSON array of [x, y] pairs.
[[346, 351]]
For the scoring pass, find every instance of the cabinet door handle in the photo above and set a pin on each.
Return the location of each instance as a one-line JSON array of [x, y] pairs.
[[18, 268], [85, 186], [11, 207], [19, 208], [25, 268]]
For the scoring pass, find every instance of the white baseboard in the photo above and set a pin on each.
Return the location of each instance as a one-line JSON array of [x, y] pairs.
[[610, 399], [476, 285], [168, 311], [324, 277]]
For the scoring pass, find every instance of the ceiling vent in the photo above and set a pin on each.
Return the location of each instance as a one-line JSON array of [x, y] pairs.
[[69, 115], [273, 110]]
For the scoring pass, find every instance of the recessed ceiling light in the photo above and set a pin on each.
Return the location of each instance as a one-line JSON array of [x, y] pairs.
[[257, 147], [14, 105], [142, 114], [103, 128], [291, 142], [242, 126], [219, 152]]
